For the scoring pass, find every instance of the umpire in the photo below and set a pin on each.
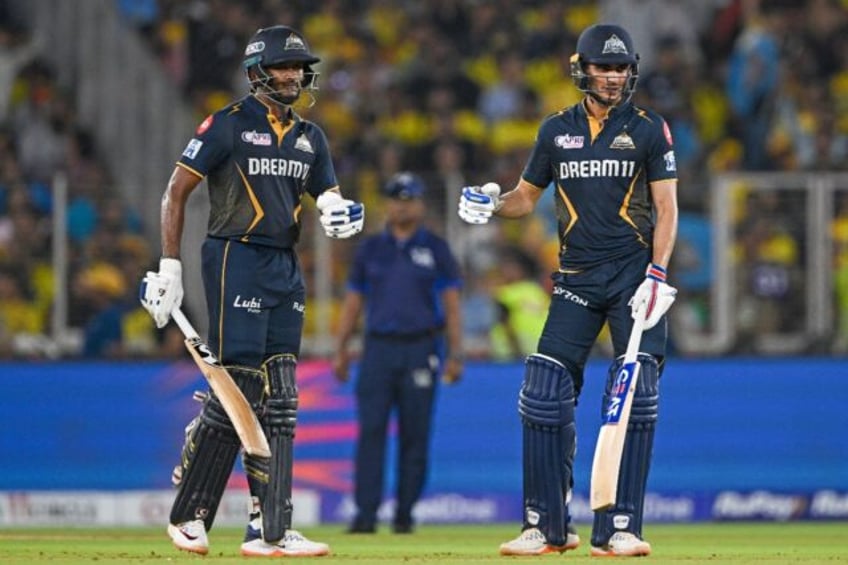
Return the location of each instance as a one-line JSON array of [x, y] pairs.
[[408, 282]]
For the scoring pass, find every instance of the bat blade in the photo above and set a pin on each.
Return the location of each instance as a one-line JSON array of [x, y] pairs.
[[231, 397], [606, 464]]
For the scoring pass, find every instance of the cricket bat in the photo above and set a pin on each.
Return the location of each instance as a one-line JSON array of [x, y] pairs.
[[229, 394], [606, 464]]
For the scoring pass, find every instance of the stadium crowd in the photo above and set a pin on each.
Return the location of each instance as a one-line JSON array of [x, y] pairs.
[[452, 90]]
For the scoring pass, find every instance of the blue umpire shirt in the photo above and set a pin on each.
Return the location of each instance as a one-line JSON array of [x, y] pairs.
[[402, 282]]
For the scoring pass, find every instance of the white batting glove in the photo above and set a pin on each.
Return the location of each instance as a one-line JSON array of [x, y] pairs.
[[477, 204], [656, 296], [340, 217], [161, 292]]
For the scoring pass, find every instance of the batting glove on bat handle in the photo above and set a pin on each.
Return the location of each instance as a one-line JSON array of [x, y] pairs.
[[654, 297], [161, 292], [341, 218], [477, 204]]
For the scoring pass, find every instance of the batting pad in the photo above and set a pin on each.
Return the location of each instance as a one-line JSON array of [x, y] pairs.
[[271, 480], [626, 515], [546, 406], [208, 455]]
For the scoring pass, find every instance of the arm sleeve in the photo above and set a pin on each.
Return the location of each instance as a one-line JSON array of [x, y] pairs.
[[210, 146], [322, 175], [538, 170], [661, 164]]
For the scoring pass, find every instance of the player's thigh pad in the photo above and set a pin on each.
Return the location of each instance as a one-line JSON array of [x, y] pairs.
[[626, 515], [209, 452], [271, 479], [546, 406]]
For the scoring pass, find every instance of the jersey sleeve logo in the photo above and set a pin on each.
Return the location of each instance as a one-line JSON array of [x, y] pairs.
[[193, 148], [667, 133], [670, 161], [204, 125]]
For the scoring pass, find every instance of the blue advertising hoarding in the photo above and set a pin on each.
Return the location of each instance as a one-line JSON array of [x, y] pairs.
[[737, 438]]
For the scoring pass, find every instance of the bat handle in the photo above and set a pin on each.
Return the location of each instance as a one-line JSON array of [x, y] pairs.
[[185, 326], [635, 337]]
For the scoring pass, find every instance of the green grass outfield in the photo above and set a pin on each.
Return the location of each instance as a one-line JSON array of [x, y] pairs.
[[737, 543]]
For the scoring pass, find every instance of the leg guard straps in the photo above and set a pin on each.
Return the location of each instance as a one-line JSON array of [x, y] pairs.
[[270, 480], [208, 455], [546, 406], [626, 515]]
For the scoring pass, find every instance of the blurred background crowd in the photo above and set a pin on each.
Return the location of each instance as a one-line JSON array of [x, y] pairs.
[[453, 90]]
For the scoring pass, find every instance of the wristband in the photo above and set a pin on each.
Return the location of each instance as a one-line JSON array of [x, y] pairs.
[[656, 272]]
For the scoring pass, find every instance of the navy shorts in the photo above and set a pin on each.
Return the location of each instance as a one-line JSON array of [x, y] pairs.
[[582, 302], [255, 296]]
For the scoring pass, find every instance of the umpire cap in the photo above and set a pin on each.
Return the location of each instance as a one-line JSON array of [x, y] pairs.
[[404, 186]]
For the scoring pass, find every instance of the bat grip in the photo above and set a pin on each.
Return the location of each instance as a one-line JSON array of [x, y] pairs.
[[185, 326]]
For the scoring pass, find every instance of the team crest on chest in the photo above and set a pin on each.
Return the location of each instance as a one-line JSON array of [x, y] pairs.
[[622, 141], [303, 144], [423, 257]]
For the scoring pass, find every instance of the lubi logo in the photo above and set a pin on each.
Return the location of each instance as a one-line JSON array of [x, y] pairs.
[[252, 304]]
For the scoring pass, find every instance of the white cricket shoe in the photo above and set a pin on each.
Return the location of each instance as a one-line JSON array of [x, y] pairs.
[[533, 542], [293, 544], [190, 536], [623, 544]]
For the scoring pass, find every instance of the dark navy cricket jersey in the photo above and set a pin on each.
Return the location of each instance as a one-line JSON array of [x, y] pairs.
[[402, 282], [603, 204], [258, 171]]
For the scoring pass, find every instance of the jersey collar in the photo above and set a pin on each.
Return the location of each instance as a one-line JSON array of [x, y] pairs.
[[255, 103], [615, 110]]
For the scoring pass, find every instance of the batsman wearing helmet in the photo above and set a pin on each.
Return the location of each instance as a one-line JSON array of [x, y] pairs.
[[611, 167], [259, 158]]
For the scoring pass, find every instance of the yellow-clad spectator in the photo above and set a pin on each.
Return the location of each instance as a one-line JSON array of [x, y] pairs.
[[522, 305]]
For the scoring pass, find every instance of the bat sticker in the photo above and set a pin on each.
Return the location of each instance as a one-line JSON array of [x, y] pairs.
[[203, 351], [620, 387]]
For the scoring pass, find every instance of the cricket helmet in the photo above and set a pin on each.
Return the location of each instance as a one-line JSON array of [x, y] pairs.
[[604, 44], [272, 46]]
